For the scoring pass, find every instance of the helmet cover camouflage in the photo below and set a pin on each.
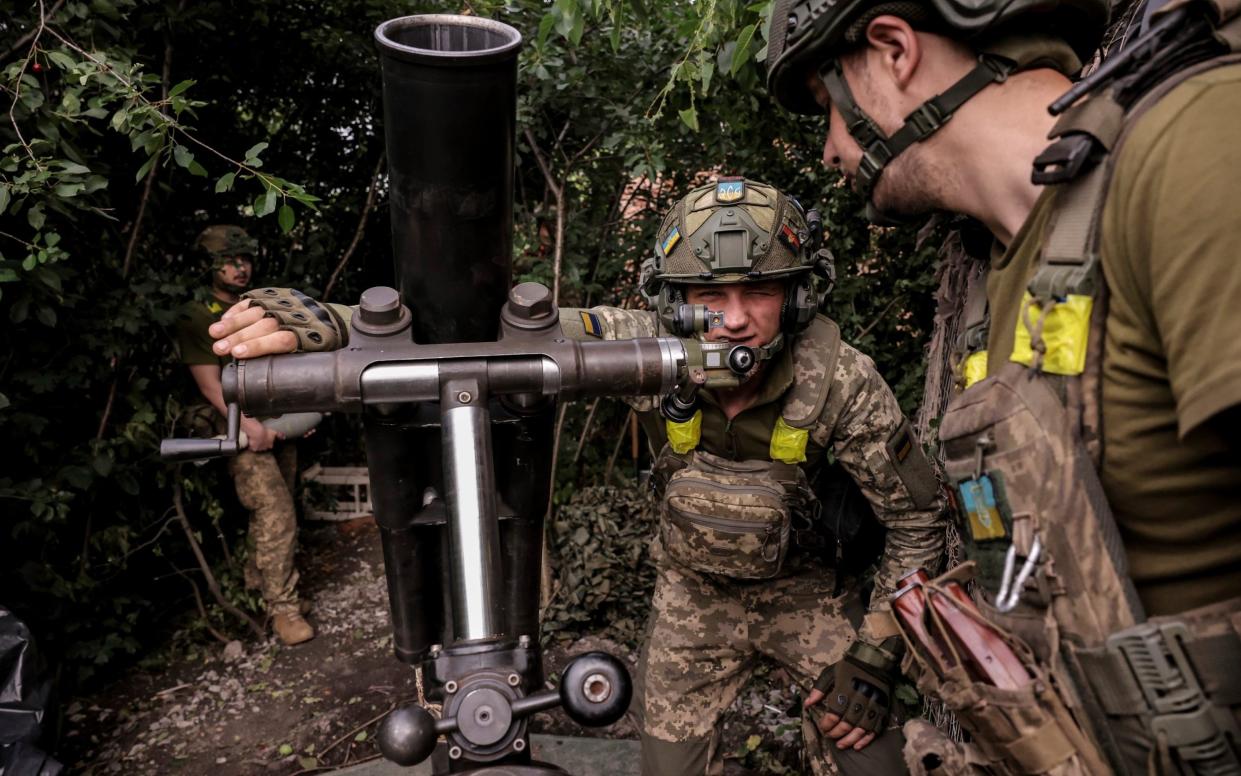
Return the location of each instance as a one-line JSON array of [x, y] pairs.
[[225, 241], [731, 231]]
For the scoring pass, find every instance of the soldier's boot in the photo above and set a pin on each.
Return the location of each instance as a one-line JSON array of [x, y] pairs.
[[292, 628]]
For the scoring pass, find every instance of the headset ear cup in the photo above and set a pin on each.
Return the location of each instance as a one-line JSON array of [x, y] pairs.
[[799, 306]]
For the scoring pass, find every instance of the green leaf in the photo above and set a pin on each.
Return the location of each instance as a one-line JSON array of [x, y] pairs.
[[119, 118], [146, 167], [743, 43], [225, 183], [285, 217], [61, 59], [197, 169], [708, 70], [264, 204], [285, 750], [102, 464], [546, 25], [308, 763], [4, 402], [35, 217], [182, 155], [253, 153], [174, 91], [30, 262], [690, 117], [46, 316], [360, 737], [4, 197]]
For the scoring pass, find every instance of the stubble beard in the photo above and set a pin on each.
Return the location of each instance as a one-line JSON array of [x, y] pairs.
[[909, 186]]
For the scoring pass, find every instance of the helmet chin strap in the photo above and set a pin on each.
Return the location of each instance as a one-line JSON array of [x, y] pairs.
[[879, 149], [769, 351]]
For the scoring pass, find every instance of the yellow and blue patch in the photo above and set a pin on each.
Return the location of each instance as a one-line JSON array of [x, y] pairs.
[[670, 240], [591, 323], [729, 191]]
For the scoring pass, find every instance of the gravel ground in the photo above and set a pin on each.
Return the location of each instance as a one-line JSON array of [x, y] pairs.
[[261, 708]]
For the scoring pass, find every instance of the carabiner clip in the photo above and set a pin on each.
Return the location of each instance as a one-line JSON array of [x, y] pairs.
[[1010, 589]]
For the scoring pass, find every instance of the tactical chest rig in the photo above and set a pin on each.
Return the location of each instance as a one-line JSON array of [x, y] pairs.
[[1022, 448], [740, 519]]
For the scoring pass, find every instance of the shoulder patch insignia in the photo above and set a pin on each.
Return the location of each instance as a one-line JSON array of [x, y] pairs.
[[670, 240], [591, 323], [729, 191], [214, 307]]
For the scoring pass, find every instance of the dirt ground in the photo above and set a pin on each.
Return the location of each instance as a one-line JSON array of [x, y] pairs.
[[260, 708]]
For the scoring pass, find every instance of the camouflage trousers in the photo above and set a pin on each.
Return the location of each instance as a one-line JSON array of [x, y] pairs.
[[264, 483], [705, 639]]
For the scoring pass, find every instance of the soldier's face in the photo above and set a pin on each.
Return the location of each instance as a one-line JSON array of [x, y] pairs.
[[234, 274], [751, 310]]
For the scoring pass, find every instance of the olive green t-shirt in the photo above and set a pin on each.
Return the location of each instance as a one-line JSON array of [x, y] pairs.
[[193, 341], [1171, 256]]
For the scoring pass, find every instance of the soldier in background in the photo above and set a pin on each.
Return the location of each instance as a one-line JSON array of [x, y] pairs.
[[264, 472], [758, 550]]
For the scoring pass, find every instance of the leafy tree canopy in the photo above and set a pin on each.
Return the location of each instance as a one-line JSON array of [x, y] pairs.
[[132, 124]]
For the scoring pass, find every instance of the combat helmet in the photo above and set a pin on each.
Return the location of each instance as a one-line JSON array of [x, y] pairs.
[[737, 231], [809, 36], [224, 241]]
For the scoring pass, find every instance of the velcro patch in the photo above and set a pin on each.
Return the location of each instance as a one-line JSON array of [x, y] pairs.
[[729, 191], [912, 467], [590, 322], [790, 237], [670, 240]]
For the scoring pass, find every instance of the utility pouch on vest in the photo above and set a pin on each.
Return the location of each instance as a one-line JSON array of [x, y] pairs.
[[1032, 511], [992, 682], [731, 518]]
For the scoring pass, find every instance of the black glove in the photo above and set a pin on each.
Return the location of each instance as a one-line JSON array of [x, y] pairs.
[[858, 689], [316, 326]]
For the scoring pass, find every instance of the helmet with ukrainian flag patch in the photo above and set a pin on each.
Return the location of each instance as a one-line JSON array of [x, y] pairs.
[[736, 230]]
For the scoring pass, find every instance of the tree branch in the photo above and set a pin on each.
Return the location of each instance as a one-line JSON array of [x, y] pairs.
[[557, 190], [212, 584], [357, 233]]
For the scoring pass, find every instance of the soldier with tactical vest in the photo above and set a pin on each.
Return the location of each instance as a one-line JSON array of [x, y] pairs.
[[1093, 451], [265, 471], [766, 488]]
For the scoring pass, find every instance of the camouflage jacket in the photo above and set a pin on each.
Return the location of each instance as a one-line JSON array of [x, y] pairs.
[[861, 427]]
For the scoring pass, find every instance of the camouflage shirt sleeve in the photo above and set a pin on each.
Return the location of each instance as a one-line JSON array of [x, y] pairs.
[[863, 426], [613, 323]]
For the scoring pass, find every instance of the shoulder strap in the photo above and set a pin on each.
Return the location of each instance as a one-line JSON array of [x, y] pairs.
[[814, 370], [1069, 263]]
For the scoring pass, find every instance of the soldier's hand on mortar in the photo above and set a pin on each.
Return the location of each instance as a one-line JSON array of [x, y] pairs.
[[244, 331]]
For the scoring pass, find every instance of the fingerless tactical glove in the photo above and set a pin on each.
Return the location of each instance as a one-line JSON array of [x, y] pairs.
[[859, 688], [316, 326]]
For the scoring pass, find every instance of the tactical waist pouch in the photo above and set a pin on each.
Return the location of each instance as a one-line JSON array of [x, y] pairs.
[[730, 518]]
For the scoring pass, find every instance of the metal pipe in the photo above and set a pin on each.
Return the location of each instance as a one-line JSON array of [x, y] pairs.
[[473, 526], [450, 113]]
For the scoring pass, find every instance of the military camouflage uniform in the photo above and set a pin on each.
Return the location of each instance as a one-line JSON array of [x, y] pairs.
[[707, 631], [264, 480]]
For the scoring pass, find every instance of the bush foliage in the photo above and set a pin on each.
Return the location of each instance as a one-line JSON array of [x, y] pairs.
[[132, 124]]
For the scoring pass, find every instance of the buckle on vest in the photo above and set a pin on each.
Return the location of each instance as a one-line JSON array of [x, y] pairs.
[[1057, 281], [925, 119], [1179, 712], [1065, 159]]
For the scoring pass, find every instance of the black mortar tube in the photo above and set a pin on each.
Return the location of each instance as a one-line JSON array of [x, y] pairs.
[[450, 117]]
